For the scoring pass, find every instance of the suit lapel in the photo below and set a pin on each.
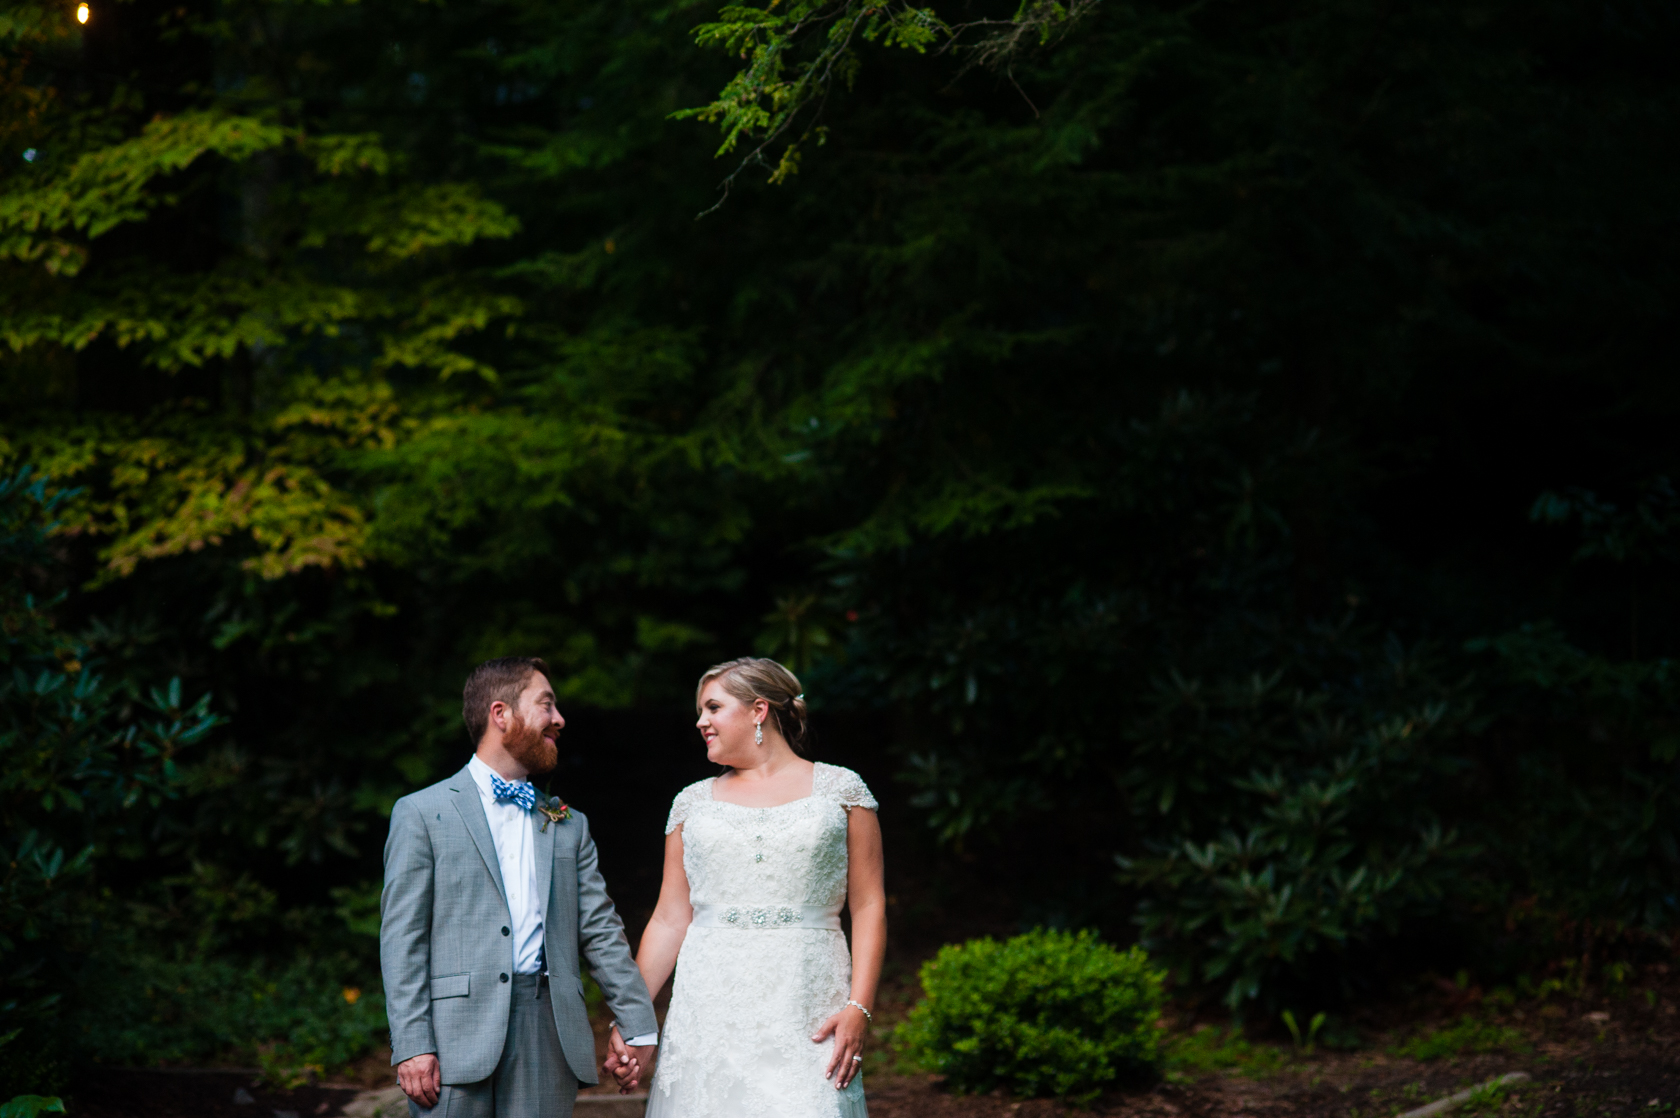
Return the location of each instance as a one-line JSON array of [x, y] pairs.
[[471, 809], [542, 849]]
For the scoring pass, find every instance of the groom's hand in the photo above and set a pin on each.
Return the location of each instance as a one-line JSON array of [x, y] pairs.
[[620, 1064], [420, 1079], [626, 1064]]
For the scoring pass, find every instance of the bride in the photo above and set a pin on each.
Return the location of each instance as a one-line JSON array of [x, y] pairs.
[[768, 1014]]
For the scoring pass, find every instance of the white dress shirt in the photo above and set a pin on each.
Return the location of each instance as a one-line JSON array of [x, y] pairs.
[[510, 830]]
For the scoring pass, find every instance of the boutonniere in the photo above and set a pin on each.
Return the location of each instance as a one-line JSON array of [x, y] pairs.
[[556, 811]]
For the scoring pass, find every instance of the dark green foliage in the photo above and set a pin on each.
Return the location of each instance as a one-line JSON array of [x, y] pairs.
[[1045, 1013], [1607, 775], [28, 1106], [85, 759], [1138, 441], [1302, 820], [297, 1018]]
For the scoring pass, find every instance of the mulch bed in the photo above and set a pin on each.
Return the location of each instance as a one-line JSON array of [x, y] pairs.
[[1595, 1058], [1608, 1088]]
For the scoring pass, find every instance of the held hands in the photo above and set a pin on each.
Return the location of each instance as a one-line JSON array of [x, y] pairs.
[[624, 1063], [848, 1028], [420, 1079]]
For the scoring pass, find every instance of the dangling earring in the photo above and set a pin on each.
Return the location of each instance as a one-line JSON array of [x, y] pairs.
[[758, 733]]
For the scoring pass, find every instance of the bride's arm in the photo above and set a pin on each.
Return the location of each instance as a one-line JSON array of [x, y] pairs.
[[656, 957], [663, 938], [866, 896]]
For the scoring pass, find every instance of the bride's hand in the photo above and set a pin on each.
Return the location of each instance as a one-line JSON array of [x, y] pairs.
[[848, 1028]]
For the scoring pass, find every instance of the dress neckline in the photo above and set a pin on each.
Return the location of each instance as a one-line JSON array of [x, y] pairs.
[[711, 794]]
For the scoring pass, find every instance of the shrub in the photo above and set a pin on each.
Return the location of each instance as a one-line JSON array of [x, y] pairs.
[[85, 752], [1310, 830], [295, 1020], [1046, 1013]]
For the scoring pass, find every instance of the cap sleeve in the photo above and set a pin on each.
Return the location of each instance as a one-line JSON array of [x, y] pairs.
[[846, 786], [686, 801]]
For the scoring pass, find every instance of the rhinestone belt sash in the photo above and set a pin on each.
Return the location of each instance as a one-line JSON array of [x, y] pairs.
[[767, 917]]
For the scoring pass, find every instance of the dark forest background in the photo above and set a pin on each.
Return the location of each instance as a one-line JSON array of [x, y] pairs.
[[1211, 464]]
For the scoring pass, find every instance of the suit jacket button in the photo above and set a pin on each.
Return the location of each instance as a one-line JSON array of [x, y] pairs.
[[504, 931], [504, 978]]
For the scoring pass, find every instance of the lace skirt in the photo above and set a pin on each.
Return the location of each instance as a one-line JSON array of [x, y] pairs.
[[737, 1039]]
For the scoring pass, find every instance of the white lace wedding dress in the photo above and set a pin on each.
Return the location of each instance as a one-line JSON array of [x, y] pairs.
[[764, 963]]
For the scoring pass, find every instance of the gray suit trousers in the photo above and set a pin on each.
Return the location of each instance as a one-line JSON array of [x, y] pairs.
[[532, 1079]]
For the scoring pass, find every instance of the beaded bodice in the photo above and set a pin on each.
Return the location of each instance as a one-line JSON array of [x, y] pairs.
[[792, 854]]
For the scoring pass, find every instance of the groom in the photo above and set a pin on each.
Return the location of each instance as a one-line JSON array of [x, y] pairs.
[[489, 900]]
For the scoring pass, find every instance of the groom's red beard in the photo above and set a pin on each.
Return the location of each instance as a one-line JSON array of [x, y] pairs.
[[526, 744]]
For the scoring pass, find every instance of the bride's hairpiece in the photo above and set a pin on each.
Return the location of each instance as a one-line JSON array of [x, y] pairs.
[[801, 695]]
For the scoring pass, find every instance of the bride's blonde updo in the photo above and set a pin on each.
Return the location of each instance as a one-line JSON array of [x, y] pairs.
[[752, 678]]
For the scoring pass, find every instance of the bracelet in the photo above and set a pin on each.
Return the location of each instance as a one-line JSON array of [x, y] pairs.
[[870, 1016]]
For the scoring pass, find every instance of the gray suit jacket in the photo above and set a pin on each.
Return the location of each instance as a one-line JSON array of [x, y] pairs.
[[444, 946]]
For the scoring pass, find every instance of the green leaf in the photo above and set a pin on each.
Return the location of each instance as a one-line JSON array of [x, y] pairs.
[[28, 1106]]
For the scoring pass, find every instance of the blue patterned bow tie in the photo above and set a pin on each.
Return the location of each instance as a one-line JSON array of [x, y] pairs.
[[524, 793]]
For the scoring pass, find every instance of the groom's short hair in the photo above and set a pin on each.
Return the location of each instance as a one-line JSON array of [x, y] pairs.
[[495, 681]]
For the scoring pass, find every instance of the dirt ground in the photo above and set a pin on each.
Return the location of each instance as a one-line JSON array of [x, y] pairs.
[[1337, 1087], [1596, 1057]]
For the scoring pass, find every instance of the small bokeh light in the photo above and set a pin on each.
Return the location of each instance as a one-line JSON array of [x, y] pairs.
[[81, 13], [29, 155]]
